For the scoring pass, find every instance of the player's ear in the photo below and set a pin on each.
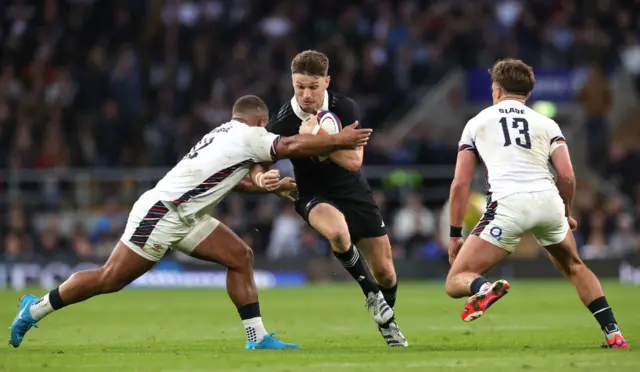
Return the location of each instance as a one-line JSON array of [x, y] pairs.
[[327, 81]]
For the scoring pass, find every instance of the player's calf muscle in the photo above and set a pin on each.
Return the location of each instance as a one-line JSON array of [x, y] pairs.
[[377, 252]]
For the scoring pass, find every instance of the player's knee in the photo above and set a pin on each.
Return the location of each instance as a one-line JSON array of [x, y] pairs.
[[384, 275], [451, 289], [247, 258], [339, 238], [243, 260]]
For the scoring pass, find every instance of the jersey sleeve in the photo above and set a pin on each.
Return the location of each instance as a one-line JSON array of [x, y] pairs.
[[348, 111], [467, 142], [556, 138], [262, 144]]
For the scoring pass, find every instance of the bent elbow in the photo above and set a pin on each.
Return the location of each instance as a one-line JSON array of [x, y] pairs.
[[353, 165]]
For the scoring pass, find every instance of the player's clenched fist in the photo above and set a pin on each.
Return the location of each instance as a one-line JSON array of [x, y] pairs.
[[353, 137], [269, 181]]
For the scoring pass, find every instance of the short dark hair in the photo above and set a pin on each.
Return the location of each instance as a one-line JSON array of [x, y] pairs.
[[514, 76], [248, 105], [310, 62]]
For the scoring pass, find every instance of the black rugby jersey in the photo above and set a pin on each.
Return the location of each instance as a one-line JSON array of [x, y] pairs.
[[326, 178]]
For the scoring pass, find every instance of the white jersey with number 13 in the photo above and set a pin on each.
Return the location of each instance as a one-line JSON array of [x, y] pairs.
[[515, 144]]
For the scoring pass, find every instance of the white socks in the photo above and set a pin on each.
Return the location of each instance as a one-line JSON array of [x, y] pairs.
[[254, 329], [41, 308]]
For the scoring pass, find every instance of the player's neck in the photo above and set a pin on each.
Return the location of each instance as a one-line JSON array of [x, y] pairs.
[[241, 119], [511, 98]]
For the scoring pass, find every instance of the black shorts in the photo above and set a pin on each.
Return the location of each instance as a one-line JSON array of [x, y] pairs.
[[363, 218]]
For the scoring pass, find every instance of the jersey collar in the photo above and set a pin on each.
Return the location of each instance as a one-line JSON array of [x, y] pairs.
[[301, 113], [510, 101]]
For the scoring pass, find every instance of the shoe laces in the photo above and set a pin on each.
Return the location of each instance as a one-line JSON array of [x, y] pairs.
[[373, 302]]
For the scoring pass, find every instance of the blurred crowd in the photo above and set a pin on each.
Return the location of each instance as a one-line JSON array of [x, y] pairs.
[[135, 83]]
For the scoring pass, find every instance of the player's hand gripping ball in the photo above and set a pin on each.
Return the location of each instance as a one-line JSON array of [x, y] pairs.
[[327, 123]]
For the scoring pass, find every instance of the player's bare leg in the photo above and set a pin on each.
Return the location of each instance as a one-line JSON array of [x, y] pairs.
[[331, 224], [223, 246], [565, 258], [377, 252], [122, 268], [465, 278]]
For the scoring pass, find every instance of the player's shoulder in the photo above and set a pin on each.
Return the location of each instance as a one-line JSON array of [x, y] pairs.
[[483, 116], [285, 121], [344, 107], [285, 112], [340, 101]]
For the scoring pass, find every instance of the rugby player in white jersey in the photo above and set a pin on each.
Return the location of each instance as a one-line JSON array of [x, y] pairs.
[[174, 215], [516, 145]]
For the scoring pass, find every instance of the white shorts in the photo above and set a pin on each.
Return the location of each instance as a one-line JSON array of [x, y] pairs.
[[152, 228], [507, 219]]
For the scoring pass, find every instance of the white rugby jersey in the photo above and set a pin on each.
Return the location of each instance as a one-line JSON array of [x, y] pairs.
[[515, 143], [214, 166]]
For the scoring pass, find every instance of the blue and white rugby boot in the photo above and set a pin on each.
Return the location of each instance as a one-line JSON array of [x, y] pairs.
[[23, 320], [269, 342]]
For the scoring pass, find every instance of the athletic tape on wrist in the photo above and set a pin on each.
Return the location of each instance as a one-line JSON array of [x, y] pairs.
[[258, 179]]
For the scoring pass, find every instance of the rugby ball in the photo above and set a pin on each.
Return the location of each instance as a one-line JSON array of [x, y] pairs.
[[329, 123]]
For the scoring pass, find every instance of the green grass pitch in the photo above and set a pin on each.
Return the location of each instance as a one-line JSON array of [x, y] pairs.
[[539, 326]]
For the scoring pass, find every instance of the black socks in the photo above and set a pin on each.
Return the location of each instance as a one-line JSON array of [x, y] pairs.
[[602, 312], [357, 267]]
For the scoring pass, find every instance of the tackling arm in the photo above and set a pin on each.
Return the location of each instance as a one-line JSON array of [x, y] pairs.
[[306, 145], [459, 193]]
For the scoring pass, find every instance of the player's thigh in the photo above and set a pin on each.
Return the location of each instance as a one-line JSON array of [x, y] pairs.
[[365, 222], [477, 256], [210, 240], [124, 266], [152, 228], [492, 240], [326, 219]]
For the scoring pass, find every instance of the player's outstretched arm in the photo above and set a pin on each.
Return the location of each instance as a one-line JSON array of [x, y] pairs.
[[566, 180], [459, 198], [306, 145], [459, 192]]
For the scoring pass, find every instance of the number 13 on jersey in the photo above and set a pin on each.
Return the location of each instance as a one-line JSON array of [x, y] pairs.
[[522, 125]]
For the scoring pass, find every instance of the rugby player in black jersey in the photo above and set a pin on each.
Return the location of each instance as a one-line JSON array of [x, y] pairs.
[[334, 197]]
